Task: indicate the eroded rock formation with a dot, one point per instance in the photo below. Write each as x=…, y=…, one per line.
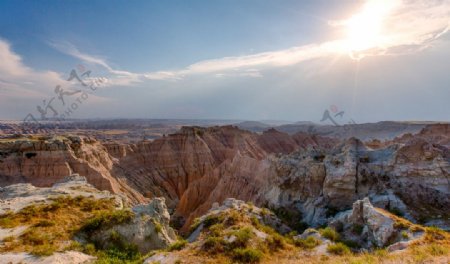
x=196, y=167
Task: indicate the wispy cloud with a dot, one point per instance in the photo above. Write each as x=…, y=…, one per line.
x=18, y=80
x=409, y=26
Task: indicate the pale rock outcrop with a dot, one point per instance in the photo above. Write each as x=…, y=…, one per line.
x=18, y=196
x=264, y=216
x=149, y=228
x=369, y=226
x=72, y=257
x=379, y=226
x=42, y=161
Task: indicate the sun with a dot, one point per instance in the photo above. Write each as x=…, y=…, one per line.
x=365, y=29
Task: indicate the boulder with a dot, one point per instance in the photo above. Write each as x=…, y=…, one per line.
x=148, y=229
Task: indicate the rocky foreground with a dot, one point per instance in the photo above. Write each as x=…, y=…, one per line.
x=72, y=222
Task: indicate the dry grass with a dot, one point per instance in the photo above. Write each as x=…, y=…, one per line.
x=433, y=247
x=51, y=226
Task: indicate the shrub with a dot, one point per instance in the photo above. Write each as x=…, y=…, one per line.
x=211, y=220
x=32, y=237
x=338, y=249
x=107, y=219
x=74, y=245
x=405, y=235
x=233, y=217
x=265, y=211
x=44, y=223
x=216, y=230
x=89, y=249
x=158, y=226
x=276, y=241
x=43, y=250
x=194, y=225
x=329, y=233
x=307, y=243
x=178, y=245
x=247, y=255
x=214, y=244
x=243, y=235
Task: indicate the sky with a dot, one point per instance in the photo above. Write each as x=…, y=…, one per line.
x=226, y=59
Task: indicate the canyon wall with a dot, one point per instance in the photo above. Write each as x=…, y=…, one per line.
x=196, y=167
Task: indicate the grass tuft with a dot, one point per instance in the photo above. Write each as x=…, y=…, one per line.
x=329, y=233
x=338, y=249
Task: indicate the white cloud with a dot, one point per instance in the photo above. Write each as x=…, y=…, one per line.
x=409, y=26
x=19, y=80
x=22, y=88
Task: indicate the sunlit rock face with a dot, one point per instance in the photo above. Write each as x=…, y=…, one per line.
x=43, y=161
x=196, y=167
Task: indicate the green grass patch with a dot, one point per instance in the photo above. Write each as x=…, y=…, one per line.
x=307, y=243
x=338, y=249
x=107, y=219
x=329, y=233
x=247, y=255
x=178, y=245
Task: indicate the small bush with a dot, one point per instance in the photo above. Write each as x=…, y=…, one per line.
x=247, y=255
x=233, y=217
x=216, y=230
x=338, y=249
x=89, y=249
x=405, y=235
x=214, y=245
x=307, y=243
x=265, y=211
x=44, y=223
x=212, y=219
x=329, y=233
x=157, y=225
x=178, y=245
x=74, y=245
x=43, y=250
x=34, y=238
x=276, y=242
x=107, y=219
x=243, y=235
x=194, y=225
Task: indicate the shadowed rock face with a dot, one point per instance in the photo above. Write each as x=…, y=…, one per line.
x=411, y=176
x=196, y=167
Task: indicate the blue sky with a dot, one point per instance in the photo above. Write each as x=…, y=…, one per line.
x=233, y=59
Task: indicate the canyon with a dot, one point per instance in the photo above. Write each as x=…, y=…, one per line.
x=312, y=176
